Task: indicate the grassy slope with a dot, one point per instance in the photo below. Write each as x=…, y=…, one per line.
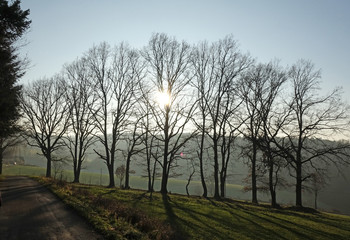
x=114, y=211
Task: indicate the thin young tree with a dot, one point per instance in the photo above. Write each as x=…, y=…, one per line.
x=45, y=116
x=134, y=145
x=148, y=132
x=318, y=182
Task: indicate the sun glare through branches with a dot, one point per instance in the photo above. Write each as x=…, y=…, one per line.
x=163, y=98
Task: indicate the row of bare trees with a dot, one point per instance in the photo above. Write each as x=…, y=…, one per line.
x=211, y=94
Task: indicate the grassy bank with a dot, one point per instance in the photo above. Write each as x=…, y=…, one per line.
x=131, y=214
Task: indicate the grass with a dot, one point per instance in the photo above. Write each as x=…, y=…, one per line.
x=138, y=182
x=23, y=170
x=131, y=214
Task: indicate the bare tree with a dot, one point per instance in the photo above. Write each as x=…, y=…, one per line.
x=319, y=182
x=313, y=121
x=265, y=82
x=216, y=69
x=202, y=71
x=249, y=91
x=168, y=67
x=116, y=75
x=148, y=131
x=80, y=99
x=191, y=174
x=45, y=116
x=134, y=146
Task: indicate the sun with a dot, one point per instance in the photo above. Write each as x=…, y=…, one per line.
x=163, y=98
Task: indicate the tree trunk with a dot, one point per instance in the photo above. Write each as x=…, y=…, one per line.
x=1, y=157
x=148, y=156
x=111, y=175
x=153, y=178
x=75, y=160
x=254, y=188
x=216, y=170
x=298, y=189
x=127, y=169
x=188, y=184
x=204, y=185
x=150, y=189
x=78, y=168
x=164, y=183
x=271, y=186
x=316, y=193
x=75, y=170
x=48, y=166
x=2, y=148
x=222, y=185
x=76, y=175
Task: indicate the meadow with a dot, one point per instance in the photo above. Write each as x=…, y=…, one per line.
x=174, y=185
x=136, y=182
x=136, y=214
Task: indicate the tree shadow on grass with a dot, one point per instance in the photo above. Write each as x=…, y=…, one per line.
x=291, y=226
x=173, y=220
x=207, y=229
x=316, y=233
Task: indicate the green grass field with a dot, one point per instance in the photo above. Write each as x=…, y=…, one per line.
x=136, y=182
x=131, y=214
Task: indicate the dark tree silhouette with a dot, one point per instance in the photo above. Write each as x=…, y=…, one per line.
x=13, y=25
x=169, y=61
x=311, y=121
x=133, y=139
x=116, y=75
x=270, y=80
x=45, y=116
x=80, y=99
x=317, y=182
x=148, y=132
x=216, y=70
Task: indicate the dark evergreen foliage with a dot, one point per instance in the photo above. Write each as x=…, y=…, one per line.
x=13, y=24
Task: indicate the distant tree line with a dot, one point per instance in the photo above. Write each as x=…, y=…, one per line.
x=171, y=101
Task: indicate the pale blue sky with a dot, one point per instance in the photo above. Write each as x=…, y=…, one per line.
x=318, y=30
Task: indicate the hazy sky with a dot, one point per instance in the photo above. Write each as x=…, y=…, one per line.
x=317, y=30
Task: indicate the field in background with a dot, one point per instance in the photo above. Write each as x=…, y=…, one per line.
x=136, y=182
x=174, y=186
x=95, y=173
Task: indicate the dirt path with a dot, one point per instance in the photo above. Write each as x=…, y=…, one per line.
x=30, y=211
